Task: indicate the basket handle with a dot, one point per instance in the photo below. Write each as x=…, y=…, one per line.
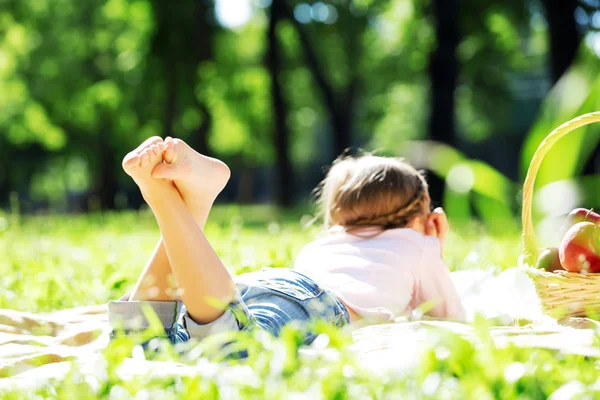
x=530, y=252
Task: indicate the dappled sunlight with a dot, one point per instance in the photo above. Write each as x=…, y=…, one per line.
x=550, y=230
x=233, y=13
x=277, y=90
x=460, y=178
x=558, y=198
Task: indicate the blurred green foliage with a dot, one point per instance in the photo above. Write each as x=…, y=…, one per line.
x=575, y=94
x=81, y=83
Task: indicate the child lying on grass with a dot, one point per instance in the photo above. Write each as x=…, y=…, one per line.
x=381, y=258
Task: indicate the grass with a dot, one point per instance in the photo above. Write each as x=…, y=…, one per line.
x=55, y=262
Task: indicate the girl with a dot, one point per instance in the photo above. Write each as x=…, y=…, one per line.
x=381, y=259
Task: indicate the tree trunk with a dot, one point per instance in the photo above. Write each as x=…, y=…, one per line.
x=201, y=141
x=443, y=73
x=339, y=115
x=564, y=42
x=342, y=121
x=274, y=65
x=164, y=47
x=247, y=175
x=169, y=66
x=204, y=53
x=107, y=188
x=563, y=36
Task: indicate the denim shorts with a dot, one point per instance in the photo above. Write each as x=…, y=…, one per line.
x=268, y=299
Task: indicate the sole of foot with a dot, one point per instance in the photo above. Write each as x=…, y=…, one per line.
x=198, y=178
x=140, y=163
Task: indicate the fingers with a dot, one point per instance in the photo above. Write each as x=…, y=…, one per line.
x=441, y=222
x=439, y=219
x=430, y=226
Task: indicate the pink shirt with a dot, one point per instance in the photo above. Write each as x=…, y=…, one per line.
x=384, y=276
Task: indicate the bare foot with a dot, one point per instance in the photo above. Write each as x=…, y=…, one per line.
x=139, y=164
x=198, y=178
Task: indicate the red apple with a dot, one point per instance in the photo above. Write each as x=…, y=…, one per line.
x=580, y=248
x=549, y=260
x=582, y=215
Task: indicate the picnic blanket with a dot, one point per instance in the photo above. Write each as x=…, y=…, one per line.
x=35, y=348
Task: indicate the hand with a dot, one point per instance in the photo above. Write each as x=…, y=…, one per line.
x=437, y=226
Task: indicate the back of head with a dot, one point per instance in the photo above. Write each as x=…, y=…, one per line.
x=372, y=191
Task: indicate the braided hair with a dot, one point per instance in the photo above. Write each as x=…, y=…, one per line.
x=372, y=191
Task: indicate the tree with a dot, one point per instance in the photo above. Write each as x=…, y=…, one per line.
x=443, y=72
x=284, y=168
x=74, y=78
x=205, y=31
x=339, y=94
x=563, y=35
x=287, y=91
x=181, y=44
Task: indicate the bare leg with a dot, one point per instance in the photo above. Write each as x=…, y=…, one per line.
x=199, y=180
x=155, y=282
x=203, y=281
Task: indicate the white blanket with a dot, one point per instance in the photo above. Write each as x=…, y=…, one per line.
x=511, y=294
x=36, y=348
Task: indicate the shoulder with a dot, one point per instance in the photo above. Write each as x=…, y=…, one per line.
x=324, y=240
x=336, y=242
x=334, y=235
x=432, y=261
x=413, y=237
x=431, y=245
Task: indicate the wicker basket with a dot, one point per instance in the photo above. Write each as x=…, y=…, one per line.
x=562, y=294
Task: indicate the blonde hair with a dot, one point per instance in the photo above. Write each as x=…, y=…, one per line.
x=371, y=191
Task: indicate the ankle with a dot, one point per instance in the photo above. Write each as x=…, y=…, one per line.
x=158, y=196
x=200, y=208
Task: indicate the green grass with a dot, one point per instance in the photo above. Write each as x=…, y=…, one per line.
x=55, y=262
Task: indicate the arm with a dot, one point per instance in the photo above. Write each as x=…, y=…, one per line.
x=435, y=285
x=437, y=226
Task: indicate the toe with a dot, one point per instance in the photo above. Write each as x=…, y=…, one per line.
x=155, y=149
x=145, y=158
x=131, y=160
x=147, y=143
x=169, y=153
x=171, y=171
